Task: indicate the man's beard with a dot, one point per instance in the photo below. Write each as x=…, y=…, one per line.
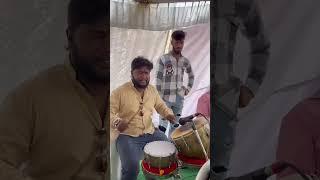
x=137, y=85
x=86, y=69
x=177, y=51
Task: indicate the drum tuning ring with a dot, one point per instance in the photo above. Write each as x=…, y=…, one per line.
x=180, y=164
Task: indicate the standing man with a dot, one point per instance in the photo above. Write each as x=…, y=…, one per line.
x=131, y=109
x=169, y=77
x=53, y=125
x=229, y=92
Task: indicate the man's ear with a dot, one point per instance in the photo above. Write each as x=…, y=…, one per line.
x=69, y=38
x=69, y=34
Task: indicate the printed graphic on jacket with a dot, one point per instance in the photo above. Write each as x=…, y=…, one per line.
x=169, y=70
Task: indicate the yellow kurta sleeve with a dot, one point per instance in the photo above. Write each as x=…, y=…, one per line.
x=114, y=107
x=16, y=129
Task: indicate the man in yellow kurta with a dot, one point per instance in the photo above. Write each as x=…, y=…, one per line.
x=131, y=109
x=52, y=126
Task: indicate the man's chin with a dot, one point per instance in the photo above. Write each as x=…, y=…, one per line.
x=142, y=86
x=101, y=73
x=98, y=76
x=102, y=77
x=177, y=51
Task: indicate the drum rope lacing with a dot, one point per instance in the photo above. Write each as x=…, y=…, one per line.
x=185, y=142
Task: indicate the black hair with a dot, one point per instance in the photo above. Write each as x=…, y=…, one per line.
x=178, y=35
x=86, y=12
x=139, y=62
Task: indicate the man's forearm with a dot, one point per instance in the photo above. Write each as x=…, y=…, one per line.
x=190, y=83
x=259, y=61
x=190, y=76
x=254, y=30
x=114, y=121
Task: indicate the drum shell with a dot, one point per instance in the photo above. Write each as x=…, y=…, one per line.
x=160, y=162
x=188, y=145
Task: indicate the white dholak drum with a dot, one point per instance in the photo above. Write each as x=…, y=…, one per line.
x=160, y=159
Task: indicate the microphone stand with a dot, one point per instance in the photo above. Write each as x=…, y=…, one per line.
x=199, y=140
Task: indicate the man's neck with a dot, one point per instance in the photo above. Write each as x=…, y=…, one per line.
x=176, y=55
x=95, y=88
x=140, y=90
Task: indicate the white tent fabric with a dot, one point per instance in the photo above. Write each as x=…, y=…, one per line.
x=158, y=17
x=129, y=43
x=126, y=44
x=294, y=72
x=32, y=38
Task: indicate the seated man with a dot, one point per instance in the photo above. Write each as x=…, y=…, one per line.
x=299, y=139
x=131, y=110
x=203, y=106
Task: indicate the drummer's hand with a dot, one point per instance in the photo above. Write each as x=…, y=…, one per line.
x=245, y=96
x=171, y=118
x=186, y=91
x=122, y=126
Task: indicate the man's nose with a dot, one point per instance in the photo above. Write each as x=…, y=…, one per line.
x=144, y=76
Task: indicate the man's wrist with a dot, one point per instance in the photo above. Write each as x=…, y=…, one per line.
x=116, y=123
x=252, y=85
x=189, y=89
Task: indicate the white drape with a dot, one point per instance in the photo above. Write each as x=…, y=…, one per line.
x=294, y=66
x=32, y=38
x=158, y=17
x=126, y=44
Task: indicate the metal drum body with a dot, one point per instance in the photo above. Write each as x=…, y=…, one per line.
x=160, y=154
x=160, y=160
x=186, y=140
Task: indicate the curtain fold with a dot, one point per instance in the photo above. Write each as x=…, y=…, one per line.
x=158, y=17
x=293, y=74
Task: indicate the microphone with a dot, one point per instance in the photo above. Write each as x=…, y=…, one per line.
x=262, y=173
x=176, y=125
x=163, y=129
x=183, y=121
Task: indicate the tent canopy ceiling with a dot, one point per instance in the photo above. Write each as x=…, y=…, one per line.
x=130, y=14
x=167, y=1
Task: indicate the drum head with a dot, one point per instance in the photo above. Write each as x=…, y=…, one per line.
x=187, y=128
x=160, y=149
